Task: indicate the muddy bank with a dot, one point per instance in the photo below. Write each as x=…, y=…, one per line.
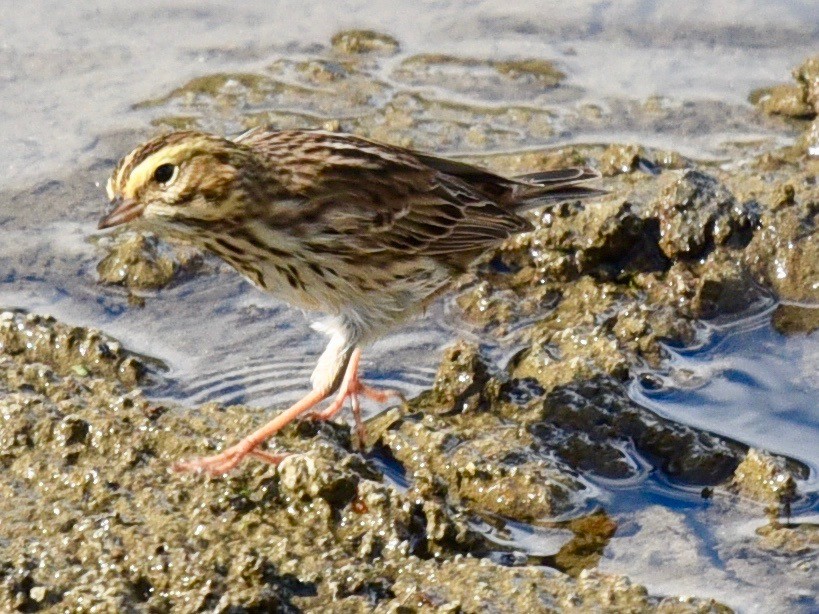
x=94, y=521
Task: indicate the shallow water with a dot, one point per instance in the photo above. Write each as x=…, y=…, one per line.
x=746, y=381
x=71, y=76
x=73, y=71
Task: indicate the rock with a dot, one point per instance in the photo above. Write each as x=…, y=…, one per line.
x=364, y=41
x=788, y=100
x=807, y=77
x=488, y=308
x=599, y=411
x=488, y=467
x=790, y=319
x=30, y=338
x=461, y=384
x=620, y=159
x=765, y=478
x=785, y=252
x=543, y=71
x=603, y=239
x=85, y=470
x=724, y=287
x=470, y=585
x=140, y=262
x=310, y=477
x=799, y=100
x=596, y=327
x=696, y=213
x=324, y=72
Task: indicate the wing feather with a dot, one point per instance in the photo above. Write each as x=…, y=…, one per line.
x=376, y=198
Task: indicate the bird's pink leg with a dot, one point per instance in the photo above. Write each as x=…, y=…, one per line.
x=227, y=460
x=351, y=387
x=355, y=387
x=348, y=390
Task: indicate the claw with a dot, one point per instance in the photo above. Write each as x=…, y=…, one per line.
x=224, y=462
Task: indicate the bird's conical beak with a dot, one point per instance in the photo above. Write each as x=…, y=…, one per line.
x=124, y=211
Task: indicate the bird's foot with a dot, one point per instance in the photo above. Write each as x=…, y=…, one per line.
x=222, y=463
x=351, y=387
x=381, y=395
x=352, y=392
x=357, y=388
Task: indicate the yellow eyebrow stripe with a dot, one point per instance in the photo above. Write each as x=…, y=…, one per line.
x=142, y=174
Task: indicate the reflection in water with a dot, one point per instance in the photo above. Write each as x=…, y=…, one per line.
x=748, y=382
x=264, y=382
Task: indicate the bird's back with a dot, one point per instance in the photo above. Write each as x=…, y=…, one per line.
x=375, y=230
x=368, y=197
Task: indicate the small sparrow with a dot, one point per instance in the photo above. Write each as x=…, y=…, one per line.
x=366, y=233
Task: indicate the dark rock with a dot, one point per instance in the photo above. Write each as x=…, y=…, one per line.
x=696, y=213
x=600, y=411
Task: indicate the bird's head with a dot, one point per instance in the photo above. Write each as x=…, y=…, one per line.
x=178, y=181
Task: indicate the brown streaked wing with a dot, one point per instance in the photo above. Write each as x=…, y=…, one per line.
x=381, y=198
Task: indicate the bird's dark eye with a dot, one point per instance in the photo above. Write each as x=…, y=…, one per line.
x=164, y=173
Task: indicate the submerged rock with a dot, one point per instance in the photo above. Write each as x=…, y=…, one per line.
x=592, y=533
x=790, y=539
x=586, y=423
x=364, y=41
x=485, y=78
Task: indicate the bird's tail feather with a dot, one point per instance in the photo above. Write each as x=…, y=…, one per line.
x=536, y=189
x=559, y=176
